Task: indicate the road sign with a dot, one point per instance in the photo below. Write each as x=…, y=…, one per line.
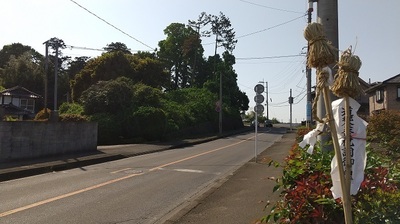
x=259, y=109
x=259, y=88
x=259, y=98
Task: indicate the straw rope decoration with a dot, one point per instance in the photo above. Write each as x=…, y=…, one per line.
x=322, y=81
x=346, y=80
x=321, y=53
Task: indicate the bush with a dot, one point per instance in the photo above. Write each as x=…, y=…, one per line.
x=43, y=115
x=383, y=128
x=306, y=196
x=72, y=118
x=109, y=128
x=71, y=108
x=151, y=122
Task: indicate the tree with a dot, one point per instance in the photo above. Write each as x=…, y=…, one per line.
x=149, y=70
x=139, y=68
x=23, y=71
x=117, y=46
x=178, y=52
x=106, y=67
x=17, y=50
x=76, y=65
x=224, y=34
x=111, y=96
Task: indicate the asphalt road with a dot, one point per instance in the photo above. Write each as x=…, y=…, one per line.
x=143, y=189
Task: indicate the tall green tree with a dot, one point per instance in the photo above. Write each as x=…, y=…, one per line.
x=178, y=52
x=17, y=49
x=117, y=46
x=106, y=67
x=139, y=68
x=23, y=71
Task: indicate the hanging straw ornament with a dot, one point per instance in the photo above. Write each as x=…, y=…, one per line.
x=346, y=81
x=320, y=53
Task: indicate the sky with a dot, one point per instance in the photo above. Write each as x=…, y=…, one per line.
x=271, y=47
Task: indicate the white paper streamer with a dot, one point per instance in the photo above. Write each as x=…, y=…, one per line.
x=358, y=142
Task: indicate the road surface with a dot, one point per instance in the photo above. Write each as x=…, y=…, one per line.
x=143, y=189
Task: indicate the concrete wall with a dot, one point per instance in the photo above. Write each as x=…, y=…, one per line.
x=37, y=139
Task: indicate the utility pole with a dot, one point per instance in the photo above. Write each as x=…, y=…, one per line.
x=54, y=114
x=46, y=72
x=290, y=102
x=327, y=15
x=308, y=73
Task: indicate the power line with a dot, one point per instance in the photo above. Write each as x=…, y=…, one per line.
x=111, y=24
x=270, y=57
x=268, y=7
x=269, y=28
x=266, y=29
x=84, y=48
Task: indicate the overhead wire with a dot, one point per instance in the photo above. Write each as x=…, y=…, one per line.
x=263, y=30
x=268, y=7
x=108, y=23
x=269, y=28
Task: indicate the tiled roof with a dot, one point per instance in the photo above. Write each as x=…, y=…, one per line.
x=12, y=109
x=19, y=91
x=393, y=80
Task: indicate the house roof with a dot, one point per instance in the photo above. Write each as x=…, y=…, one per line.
x=19, y=91
x=393, y=80
x=12, y=109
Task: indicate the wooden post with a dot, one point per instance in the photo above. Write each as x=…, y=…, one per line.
x=345, y=191
x=348, y=144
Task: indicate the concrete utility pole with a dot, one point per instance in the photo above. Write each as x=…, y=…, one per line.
x=327, y=15
x=290, y=103
x=309, y=117
x=46, y=70
x=55, y=80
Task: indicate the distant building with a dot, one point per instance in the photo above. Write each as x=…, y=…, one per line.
x=384, y=95
x=362, y=99
x=18, y=103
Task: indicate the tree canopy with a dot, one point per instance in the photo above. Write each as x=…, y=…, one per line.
x=121, y=90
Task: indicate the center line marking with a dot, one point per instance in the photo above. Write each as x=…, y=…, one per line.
x=36, y=204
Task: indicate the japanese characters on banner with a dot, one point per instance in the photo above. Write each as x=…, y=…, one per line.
x=357, y=150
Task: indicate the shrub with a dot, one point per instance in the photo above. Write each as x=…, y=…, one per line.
x=109, y=128
x=306, y=196
x=383, y=128
x=72, y=118
x=71, y=108
x=43, y=114
x=151, y=121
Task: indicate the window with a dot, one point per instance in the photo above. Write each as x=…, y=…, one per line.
x=398, y=92
x=27, y=104
x=379, y=95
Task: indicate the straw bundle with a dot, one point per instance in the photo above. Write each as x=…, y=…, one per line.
x=320, y=53
x=346, y=80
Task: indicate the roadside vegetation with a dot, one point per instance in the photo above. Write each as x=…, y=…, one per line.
x=141, y=96
x=305, y=185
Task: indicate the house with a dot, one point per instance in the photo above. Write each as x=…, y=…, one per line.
x=384, y=95
x=18, y=103
x=363, y=99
